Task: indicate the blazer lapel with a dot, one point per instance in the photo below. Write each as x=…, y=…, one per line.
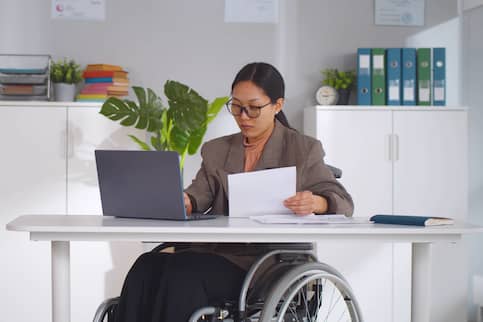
x=236, y=155
x=234, y=161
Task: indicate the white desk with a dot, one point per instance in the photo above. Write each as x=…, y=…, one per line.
x=60, y=230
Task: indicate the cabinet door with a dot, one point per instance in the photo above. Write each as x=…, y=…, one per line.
x=358, y=143
x=98, y=268
x=430, y=170
x=33, y=181
x=430, y=178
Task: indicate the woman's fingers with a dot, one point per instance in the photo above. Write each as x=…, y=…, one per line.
x=187, y=204
x=302, y=203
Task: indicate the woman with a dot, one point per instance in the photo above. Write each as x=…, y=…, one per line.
x=169, y=287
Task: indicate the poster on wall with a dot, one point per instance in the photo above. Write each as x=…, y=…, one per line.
x=251, y=11
x=79, y=9
x=399, y=12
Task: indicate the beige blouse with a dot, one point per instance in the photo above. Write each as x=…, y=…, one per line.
x=254, y=150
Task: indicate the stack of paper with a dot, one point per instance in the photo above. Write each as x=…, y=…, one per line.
x=308, y=219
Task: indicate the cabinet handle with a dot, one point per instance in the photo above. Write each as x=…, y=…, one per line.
x=70, y=142
x=389, y=147
x=63, y=144
x=396, y=147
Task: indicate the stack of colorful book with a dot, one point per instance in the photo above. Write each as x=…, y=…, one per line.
x=103, y=81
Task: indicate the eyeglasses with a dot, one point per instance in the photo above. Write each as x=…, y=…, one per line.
x=251, y=111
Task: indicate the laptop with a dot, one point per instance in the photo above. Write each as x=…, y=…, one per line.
x=142, y=184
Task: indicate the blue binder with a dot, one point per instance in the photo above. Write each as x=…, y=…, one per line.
x=409, y=76
x=364, y=76
x=393, y=80
x=439, y=76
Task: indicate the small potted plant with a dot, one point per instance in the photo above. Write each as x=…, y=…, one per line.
x=342, y=81
x=65, y=74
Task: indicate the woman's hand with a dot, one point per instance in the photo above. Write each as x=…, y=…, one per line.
x=187, y=204
x=305, y=203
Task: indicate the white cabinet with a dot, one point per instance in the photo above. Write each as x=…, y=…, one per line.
x=32, y=181
x=47, y=167
x=404, y=160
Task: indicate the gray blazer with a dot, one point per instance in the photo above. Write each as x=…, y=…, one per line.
x=286, y=147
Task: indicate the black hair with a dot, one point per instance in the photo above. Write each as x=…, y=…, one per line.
x=269, y=79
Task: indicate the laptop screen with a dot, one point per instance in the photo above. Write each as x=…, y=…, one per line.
x=140, y=184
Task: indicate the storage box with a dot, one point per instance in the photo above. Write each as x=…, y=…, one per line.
x=24, y=77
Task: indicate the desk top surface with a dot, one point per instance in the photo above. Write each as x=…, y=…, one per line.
x=222, y=229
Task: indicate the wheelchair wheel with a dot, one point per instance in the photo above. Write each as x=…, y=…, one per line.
x=311, y=292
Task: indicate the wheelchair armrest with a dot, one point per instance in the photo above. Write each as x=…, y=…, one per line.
x=335, y=171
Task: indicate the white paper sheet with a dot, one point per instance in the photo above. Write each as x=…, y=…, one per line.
x=309, y=219
x=261, y=192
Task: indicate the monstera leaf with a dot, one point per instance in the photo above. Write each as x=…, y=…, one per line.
x=188, y=111
x=180, y=127
x=145, y=116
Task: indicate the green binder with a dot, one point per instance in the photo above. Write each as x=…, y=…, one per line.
x=424, y=76
x=378, y=76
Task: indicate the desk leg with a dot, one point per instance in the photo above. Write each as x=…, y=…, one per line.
x=60, y=281
x=421, y=282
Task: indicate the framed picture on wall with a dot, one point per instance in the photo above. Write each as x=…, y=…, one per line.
x=399, y=12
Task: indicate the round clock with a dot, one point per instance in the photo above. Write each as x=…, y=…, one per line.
x=327, y=95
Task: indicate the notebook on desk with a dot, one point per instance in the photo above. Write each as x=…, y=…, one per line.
x=411, y=220
x=142, y=184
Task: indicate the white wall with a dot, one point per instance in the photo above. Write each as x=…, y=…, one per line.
x=473, y=98
x=187, y=40
x=446, y=34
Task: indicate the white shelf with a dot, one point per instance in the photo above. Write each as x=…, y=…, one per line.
x=386, y=108
x=49, y=104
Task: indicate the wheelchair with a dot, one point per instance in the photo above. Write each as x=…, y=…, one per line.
x=286, y=283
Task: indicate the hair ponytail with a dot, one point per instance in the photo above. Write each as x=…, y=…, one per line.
x=280, y=116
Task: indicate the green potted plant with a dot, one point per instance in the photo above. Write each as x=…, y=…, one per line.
x=178, y=127
x=342, y=81
x=65, y=74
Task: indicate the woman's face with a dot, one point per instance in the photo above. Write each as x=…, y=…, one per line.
x=249, y=95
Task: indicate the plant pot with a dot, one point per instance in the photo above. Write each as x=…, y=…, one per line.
x=344, y=95
x=64, y=92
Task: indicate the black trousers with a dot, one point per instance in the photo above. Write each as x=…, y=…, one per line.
x=163, y=287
